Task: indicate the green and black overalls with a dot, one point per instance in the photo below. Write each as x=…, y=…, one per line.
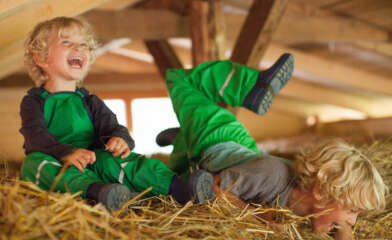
x=54, y=125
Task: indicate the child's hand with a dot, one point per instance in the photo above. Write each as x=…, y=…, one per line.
x=79, y=158
x=344, y=232
x=117, y=146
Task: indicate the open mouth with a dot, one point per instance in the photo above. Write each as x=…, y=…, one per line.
x=75, y=62
x=333, y=228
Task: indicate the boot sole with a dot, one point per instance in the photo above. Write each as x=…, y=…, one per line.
x=203, y=186
x=279, y=80
x=117, y=196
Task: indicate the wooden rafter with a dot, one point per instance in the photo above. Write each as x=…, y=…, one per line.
x=163, y=24
x=8, y=8
x=16, y=26
x=11, y=59
x=336, y=73
x=256, y=33
x=138, y=24
x=116, y=5
x=122, y=64
x=297, y=25
x=369, y=105
x=102, y=81
x=306, y=23
x=319, y=111
x=208, y=31
x=164, y=55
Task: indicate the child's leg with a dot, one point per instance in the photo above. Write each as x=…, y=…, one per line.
x=136, y=171
x=194, y=95
x=42, y=170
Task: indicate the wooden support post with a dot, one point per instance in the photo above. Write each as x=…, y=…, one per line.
x=207, y=31
x=164, y=55
x=262, y=20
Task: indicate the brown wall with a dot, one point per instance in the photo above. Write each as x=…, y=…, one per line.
x=11, y=140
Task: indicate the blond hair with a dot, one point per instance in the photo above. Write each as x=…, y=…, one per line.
x=343, y=173
x=37, y=43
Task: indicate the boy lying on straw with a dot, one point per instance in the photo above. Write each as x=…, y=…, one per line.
x=335, y=178
x=66, y=127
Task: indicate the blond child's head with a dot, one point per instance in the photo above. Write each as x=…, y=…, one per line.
x=38, y=42
x=343, y=174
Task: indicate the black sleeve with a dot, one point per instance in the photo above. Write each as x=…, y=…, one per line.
x=35, y=132
x=105, y=122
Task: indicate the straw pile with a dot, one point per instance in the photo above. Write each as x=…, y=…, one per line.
x=30, y=213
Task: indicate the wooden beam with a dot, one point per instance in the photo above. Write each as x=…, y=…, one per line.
x=256, y=33
x=164, y=55
x=125, y=82
x=11, y=59
x=208, y=29
x=116, y=5
x=321, y=70
x=16, y=26
x=355, y=131
x=112, y=44
x=138, y=24
x=101, y=81
x=309, y=25
x=8, y=8
x=292, y=145
x=306, y=23
x=116, y=63
x=377, y=128
x=162, y=24
x=312, y=111
x=369, y=105
x=378, y=47
x=309, y=21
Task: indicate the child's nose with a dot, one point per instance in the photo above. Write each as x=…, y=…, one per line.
x=77, y=46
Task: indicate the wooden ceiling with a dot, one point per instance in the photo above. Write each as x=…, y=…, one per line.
x=342, y=48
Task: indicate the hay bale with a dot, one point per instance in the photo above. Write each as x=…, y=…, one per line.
x=30, y=213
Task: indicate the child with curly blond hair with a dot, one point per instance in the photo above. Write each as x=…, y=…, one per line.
x=333, y=182
x=65, y=126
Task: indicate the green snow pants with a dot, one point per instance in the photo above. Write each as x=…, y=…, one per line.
x=195, y=94
x=136, y=172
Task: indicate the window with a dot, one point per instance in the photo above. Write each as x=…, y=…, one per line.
x=149, y=117
x=118, y=107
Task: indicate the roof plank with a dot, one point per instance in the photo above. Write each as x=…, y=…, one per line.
x=115, y=5
x=164, y=55
x=256, y=33
x=8, y=7
x=207, y=31
x=16, y=26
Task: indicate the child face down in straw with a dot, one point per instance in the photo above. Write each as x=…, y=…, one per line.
x=333, y=183
x=66, y=127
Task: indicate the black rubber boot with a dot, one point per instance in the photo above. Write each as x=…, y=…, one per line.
x=113, y=196
x=269, y=83
x=200, y=186
x=167, y=136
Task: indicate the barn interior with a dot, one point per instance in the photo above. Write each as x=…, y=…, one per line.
x=341, y=85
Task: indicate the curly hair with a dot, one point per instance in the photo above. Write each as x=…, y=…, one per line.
x=343, y=174
x=37, y=43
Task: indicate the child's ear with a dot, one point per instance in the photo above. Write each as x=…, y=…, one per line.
x=317, y=193
x=39, y=62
